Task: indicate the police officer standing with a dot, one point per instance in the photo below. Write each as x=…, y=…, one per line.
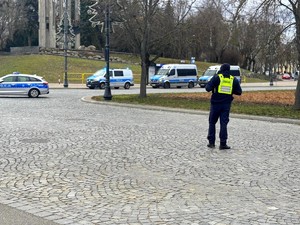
x=223, y=86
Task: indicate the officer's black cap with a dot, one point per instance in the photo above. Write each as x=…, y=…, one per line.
x=225, y=67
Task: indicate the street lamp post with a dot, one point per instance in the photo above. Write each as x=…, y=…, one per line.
x=107, y=91
x=94, y=11
x=271, y=73
x=271, y=79
x=66, y=43
x=274, y=56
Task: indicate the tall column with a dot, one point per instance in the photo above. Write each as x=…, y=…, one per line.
x=77, y=23
x=47, y=30
x=49, y=10
x=42, y=23
x=52, y=25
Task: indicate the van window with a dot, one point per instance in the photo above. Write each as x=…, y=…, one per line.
x=162, y=71
x=186, y=72
x=110, y=73
x=210, y=72
x=172, y=72
x=235, y=73
x=119, y=73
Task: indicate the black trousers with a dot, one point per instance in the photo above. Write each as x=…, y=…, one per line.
x=218, y=111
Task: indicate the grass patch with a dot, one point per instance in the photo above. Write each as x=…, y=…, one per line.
x=260, y=103
x=52, y=67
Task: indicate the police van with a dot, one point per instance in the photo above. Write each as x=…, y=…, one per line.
x=213, y=70
x=175, y=75
x=118, y=78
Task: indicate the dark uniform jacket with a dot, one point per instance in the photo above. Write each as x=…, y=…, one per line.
x=218, y=98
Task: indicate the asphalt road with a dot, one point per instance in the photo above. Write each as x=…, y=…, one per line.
x=66, y=161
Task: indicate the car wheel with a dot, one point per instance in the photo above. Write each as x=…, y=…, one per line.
x=127, y=85
x=102, y=85
x=33, y=93
x=190, y=85
x=167, y=85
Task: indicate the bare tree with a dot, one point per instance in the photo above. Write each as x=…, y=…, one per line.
x=230, y=11
x=294, y=7
x=140, y=18
x=4, y=20
x=11, y=19
x=291, y=7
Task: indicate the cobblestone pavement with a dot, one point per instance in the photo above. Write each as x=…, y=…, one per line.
x=73, y=162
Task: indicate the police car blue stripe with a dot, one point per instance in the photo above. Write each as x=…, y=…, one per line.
x=24, y=85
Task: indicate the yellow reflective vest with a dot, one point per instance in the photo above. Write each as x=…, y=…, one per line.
x=226, y=84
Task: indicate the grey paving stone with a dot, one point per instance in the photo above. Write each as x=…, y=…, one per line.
x=77, y=163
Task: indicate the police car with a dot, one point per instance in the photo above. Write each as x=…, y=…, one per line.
x=23, y=84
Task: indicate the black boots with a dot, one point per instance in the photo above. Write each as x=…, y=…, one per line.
x=210, y=145
x=224, y=146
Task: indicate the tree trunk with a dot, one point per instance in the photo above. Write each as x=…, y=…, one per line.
x=143, y=92
x=29, y=42
x=145, y=52
x=145, y=65
x=297, y=97
x=297, y=94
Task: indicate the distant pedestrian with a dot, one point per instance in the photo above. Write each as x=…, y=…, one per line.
x=223, y=86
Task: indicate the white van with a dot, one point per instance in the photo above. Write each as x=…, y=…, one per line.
x=175, y=75
x=118, y=78
x=296, y=75
x=213, y=70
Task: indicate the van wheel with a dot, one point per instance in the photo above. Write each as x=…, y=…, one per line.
x=127, y=85
x=102, y=85
x=167, y=85
x=191, y=85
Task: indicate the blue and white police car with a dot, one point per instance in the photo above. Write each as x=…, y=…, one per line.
x=23, y=84
x=118, y=78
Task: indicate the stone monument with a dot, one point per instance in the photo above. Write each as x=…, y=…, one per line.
x=51, y=23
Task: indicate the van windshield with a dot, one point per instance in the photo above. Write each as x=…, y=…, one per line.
x=102, y=73
x=163, y=71
x=210, y=72
x=235, y=73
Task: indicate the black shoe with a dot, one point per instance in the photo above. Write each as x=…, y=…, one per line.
x=211, y=145
x=223, y=147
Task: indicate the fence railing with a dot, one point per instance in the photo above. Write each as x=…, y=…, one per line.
x=75, y=77
x=81, y=77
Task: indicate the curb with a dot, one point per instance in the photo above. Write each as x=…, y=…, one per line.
x=89, y=99
x=261, y=84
